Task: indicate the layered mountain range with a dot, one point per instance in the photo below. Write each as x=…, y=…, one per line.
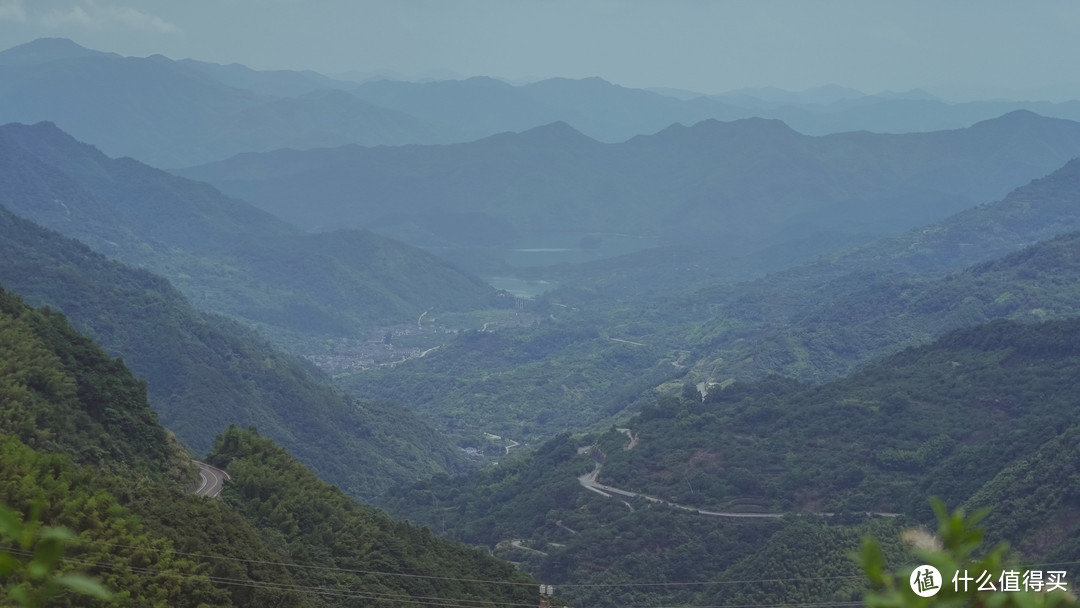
x=808, y=334
x=224, y=254
x=732, y=188
x=178, y=113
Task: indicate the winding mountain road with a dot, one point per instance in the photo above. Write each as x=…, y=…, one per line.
x=588, y=481
x=213, y=479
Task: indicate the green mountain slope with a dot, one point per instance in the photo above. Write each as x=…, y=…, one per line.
x=981, y=416
x=63, y=403
x=205, y=372
x=596, y=355
x=855, y=306
x=596, y=364
x=111, y=477
x=63, y=394
x=225, y=255
x=357, y=548
x=522, y=384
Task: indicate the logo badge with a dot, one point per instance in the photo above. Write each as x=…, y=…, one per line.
x=925, y=581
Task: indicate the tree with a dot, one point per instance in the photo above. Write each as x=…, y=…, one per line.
x=954, y=553
x=28, y=568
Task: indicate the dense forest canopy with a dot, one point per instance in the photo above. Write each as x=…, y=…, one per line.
x=81, y=449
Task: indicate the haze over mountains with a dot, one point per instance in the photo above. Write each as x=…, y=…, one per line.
x=190, y=112
x=731, y=188
x=814, y=322
x=785, y=334
x=224, y=254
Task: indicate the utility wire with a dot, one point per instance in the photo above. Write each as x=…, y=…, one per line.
x=439, y=601
x=405, y=599
x=512, y=583
x=474, y=580
x=328, y=568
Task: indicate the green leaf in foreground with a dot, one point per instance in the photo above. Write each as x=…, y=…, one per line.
x=35, y=582
x=954, y=552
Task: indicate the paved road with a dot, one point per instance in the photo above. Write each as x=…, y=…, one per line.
x=212, y=480
x=588, y=481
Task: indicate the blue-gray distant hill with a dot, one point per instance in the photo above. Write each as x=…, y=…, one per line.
x=224, y=254
x=481, y=106
x=733, y=188
x=170, y=113
x=179, y=113
x=611, y=113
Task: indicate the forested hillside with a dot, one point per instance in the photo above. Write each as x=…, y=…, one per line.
x=205, y=372
x=966, y=418
x=63, y=394
x=77, y=438
x=593, y=357
x=225, y=255
x=351, y=546
x=589, y=365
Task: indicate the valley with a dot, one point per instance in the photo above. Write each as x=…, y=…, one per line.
x=391, y=345
x=279, y=337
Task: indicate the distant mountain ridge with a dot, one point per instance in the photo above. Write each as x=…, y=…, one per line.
x=170, y=113
x=281, y=83
x=190, y=112
x=44, y=50
x=732, y=187
x=226, y=255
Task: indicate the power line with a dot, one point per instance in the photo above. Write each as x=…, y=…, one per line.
x=474, y=580
x=403, y=598
x=512, y=583
x=328, y=568
x=406, y=599
x=441, y=601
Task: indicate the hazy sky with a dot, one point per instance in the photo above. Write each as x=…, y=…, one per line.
x=702, y=45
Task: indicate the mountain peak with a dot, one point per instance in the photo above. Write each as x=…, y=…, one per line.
x=1019, y=120
x=556, y=131
x=591, y=83
x=43, y=50
x=44, y=131
x=41, y=131
x=753, y=126
x=710, y=129
x=1016, y=115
